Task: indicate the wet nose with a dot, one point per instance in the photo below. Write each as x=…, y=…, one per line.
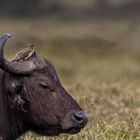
x=80, y=118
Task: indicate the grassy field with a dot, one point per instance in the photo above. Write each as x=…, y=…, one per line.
x=97, y=68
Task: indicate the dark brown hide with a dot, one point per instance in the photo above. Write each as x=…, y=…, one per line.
x=11, y=121
x=37, y=102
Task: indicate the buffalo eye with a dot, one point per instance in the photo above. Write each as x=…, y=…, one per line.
x=46, y=86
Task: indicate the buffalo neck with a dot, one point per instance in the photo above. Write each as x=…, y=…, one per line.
x=11, y=122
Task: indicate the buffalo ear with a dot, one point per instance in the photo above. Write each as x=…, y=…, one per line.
x=13, y=87
x=15, y=95
x=18, y=103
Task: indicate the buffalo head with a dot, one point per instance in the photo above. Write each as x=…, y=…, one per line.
x=37, y=98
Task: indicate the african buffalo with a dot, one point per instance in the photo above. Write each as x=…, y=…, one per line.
x=33, y=98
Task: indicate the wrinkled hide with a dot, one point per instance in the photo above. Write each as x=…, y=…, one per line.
x=11, y=121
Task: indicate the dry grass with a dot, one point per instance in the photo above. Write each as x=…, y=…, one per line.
x=98, y=71
x=106, y=86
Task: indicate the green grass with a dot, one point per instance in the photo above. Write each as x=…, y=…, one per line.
x=96, y=67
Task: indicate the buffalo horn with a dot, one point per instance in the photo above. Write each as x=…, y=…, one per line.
x=24, y=67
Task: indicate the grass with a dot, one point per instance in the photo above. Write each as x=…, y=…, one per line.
x=99, y=71
x=106, y=86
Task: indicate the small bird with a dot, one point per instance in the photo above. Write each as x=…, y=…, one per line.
x=25, y=53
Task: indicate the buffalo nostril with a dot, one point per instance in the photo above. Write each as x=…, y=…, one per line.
x=80, y=117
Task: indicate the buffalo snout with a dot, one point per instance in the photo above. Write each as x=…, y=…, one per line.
x=80, y=118
x=73, y=122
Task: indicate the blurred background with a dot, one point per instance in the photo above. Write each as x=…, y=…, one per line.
x=95, y=47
